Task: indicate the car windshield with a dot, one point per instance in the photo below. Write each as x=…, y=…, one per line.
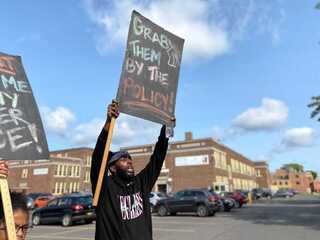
x=82, y=200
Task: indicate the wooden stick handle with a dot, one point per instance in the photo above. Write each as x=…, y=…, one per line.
x=7, y=208
x=104, y=163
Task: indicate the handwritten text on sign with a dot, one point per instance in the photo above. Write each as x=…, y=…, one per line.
x=21, y=130
x=150, y=73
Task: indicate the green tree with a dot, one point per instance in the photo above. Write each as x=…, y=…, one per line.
x=315, y=103
x=314, y=174
x=293, y=167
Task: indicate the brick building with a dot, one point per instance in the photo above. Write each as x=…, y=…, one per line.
x=263, y=176
x=189, y=163
x=199, y=163
x=288, y=178
x=316, y=185
x=66, y=171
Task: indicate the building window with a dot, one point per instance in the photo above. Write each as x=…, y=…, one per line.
x=88, y=161
x=70, y=187
x=64, y=187
x=297, y=183
x=78, y=171
x=24, y=173
x=285, y=183
x=72, y=171
x=60, y=170
x=69, y=171
x=87, y=177
x=74, y=186
x=61, y=188
x=64, y=171
x=220, y=159
x=258, y=173
x=56, y=186
x=280, y=183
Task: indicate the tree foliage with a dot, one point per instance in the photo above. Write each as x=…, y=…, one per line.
x=315, y=103
x=314, y=174
x=293, y=167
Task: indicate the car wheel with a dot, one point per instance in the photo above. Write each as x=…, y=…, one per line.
x=202, y=211
x=66, y=220
x=162, y=211
x=36, y=220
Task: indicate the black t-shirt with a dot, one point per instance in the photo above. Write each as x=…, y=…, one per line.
x=123, y=211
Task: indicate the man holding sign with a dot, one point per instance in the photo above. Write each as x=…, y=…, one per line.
x=147, y=89
x=123, y=211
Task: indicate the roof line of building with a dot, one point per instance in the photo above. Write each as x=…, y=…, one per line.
x=71, y=149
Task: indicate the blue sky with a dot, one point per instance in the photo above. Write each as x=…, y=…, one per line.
x=248, y=71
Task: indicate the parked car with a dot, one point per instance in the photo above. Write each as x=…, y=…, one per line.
x=154, y=197
x=225, y=203
x=39, y=199
x=34, y=196
x=190, y=200
x=283, y=193
x=42, y=201
x=65, y=210
x=258, y=193
x=239, y=198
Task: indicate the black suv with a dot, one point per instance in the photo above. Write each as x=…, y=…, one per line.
x=66, y=210
x=190, y=200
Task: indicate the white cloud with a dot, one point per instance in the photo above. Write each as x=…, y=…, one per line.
x=128, y=131
x=87, y=133
x=209, y=27
x=134, y=131
x=187, y=19
x=57, y=120
x=299, y=137
x=295, y=138
x=271, y=115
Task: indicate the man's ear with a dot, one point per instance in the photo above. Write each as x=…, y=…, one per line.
x=113, y=169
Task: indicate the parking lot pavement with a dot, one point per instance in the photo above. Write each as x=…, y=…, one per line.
x=293, y=219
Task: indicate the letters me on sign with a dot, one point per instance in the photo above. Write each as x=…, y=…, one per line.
x=21, y=131
x=150, y=72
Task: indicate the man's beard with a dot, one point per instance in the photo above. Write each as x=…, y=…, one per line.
x=125, y=175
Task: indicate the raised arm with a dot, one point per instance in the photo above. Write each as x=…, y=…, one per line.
x=149, y=175
x=98, y=151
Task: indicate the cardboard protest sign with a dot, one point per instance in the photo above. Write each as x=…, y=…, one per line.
x=21, y=132
x=150, y=72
